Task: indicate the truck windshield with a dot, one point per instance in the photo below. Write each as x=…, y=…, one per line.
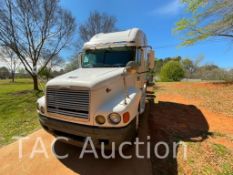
x=117, y=57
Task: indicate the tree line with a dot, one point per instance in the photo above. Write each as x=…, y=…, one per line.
x=178, y=68
x=166, y=69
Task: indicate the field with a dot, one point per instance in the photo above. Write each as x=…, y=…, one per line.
x=200, y=115
x=17, y=109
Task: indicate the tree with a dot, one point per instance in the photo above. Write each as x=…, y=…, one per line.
x=160, y=62
x=36, y=31
x=57, y=72
x=22, y=73
x=73, y=64
x=209, y=18
x=4, y=73
x=51, y=66
x=158, y=65
x=211, y=72
x=172, y=71
x=97, y=23
x=9, y=57
x=189, y=67
x=45, y=73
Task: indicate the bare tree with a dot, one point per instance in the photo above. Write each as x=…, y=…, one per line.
x=10, y=59
x=35, y=30
x=96, y=23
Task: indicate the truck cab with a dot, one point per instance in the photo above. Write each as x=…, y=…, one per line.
x=105, y=96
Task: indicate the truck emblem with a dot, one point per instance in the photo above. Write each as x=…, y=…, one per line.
x=108, y=90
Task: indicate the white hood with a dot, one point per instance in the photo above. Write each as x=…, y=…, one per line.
x=85, y=77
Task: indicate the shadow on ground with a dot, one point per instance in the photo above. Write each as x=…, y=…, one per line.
x=171, y=123
x=163, y=121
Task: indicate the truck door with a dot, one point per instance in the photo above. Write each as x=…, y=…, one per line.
x=141, y=61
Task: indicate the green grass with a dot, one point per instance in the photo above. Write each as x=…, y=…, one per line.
x=206, y=158
x=219, y=149
x=18, y=115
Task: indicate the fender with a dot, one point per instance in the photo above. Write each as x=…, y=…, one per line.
x=118, y=105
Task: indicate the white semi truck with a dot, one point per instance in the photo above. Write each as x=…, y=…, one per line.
x=105, y=96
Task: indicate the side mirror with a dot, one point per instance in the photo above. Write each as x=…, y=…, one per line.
x=80, y=59
x=151, y=59
x=131, y=67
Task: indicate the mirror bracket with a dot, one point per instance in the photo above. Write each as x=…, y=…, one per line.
x=131, y=67
x=80, y=59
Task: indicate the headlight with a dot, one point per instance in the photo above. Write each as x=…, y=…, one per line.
x=114, y=118
x=100, y=119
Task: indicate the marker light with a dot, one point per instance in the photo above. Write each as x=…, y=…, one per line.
x=126, y=117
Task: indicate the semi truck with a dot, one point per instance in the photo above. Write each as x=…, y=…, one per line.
x=104, y=97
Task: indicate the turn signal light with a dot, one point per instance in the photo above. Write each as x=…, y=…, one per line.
x=126, y=117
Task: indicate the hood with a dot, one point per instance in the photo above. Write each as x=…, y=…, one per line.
x=85, y=77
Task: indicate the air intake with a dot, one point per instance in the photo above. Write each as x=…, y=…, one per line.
x=68, y=102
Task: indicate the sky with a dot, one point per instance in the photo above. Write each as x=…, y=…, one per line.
x=157, y=19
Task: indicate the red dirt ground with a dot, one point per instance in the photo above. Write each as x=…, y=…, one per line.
x=179, y=115
x=217, y=122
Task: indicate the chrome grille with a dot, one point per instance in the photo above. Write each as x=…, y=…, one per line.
x=68, y=102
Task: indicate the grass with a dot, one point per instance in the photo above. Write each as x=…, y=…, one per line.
x=206, y=158
x=18, y=115
x=220, y=150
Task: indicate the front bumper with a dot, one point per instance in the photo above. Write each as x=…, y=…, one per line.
x=77, y=133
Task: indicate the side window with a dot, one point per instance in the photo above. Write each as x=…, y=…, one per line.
x=139, y=53
x=146, y=60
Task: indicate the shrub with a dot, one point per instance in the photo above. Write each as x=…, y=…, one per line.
x=172, y=71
